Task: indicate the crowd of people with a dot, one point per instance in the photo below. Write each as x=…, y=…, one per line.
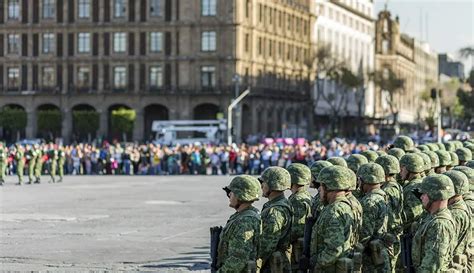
x=404, y=208
x=150, y=159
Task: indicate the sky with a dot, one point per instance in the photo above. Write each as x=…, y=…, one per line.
x=447, y=25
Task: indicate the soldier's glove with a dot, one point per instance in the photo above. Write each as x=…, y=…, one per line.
x=304, y=263
x=417, y=193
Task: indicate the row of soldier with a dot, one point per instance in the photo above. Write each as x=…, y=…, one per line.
x=34, y=160
x=407, y=209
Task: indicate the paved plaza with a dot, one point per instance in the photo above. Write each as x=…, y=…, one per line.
x=132, y=223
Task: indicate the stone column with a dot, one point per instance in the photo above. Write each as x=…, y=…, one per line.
x=66, y=126
x=30, y=130
x=138, y=126
x=103, y=123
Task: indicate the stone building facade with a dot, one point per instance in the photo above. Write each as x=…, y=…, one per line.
x=166, y=59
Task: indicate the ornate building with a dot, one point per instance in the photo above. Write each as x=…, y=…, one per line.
x=166, y=59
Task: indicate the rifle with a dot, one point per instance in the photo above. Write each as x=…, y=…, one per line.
x=308, y=229
x=215, y=236
x=406, y=243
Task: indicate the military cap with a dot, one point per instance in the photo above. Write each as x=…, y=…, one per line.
x=396, y=152
x=370, y=155
x=337, y=160
x=317, y=166
x=355, y=161
x=454, y=159
x=412, y=162
x=444, y=158
x=277, y=178
x=434, y=159
x=426, y=161
x=457, y=144
x=371, y=173
x=437, y=187
x=245, y=187
x=470, y=164
x=405, y=143
x=423, y=148
x=440, y=146
x=460, y=181
x=450, y=146
x=300, y=174
x=469, y=146
x=433, y=147
x=381, y=152
x=464, y=154
x=337, y=178
x=389, y=164
x=469, y=173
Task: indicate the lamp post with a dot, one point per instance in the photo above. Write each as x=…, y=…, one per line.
x=229, y=114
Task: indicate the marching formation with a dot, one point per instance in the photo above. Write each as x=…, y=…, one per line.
x=403, y=209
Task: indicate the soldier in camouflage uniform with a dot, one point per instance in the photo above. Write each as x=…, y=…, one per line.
x=461, y=216
x=370, y=155
x=61, y=160
x=375, y=218
x=354, y=162
x=39, y=165
x=53, y=157
x=338, y=161
x=464, y=155
x=277, y=215
x=20, y=163
x=405, y=143
x=31, y=156
x=394, y=192
x=434, y=161
x=3, y=163
x=432, y=248
x=333, y=237
x=316, y=167
x=301, y=202
x=444, y=161
x=240, y=238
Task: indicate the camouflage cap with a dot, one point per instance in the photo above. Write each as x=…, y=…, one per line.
x=454, y=159
x=440, y=146
x=437, y=187
x=317, y=166
x=300, y=174
x=423, y=148
x=434, y=159
x=457, y=144
x=460, y=181
x=371, y=173
x=449, y=146
x=381, y=152
x=337, y=178
x=245, y=187
x=469, y=173
x=426, y=161
x=412, y=162
x=355, y=161
x=396, y=152
x=337, y=160
x=370, y=155
x=470, y=164
x=464, y=154
x=277, y=178
x=405, y=143
x=389, y=164
x=444, y=158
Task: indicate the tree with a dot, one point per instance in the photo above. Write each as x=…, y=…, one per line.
x=85, y=123
x=13, y=119
x=389, y=82
x=49, y=123
x=122, y=121
x=468, y=52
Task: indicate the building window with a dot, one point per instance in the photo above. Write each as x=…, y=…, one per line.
x=208, y=41
x=13, y=9
x=48, y=8
x=260, y=46
x=84, y=9
x=84, y=42
x=385, y=46
x=120, y=42
x=83, y=77
x=48, y=76
x=13, y=43
x=48, y=42
x=120, y=77
x=156, y=76
x=156, y=41
x=208, y=7
x=155, y=8
x=120, y=8
x=13, y=78
x=208, y=76
x=247, y=42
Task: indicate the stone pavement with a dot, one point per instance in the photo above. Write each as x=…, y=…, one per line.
x=145, y=223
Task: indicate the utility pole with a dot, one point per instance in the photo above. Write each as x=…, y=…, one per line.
x=238, y=123
x=229, y=114
x=438, y=104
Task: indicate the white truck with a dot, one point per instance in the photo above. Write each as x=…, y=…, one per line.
x=172, y=132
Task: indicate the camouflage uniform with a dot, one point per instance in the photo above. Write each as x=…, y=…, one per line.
x=333, y=236
x=53, y=156
x=61, y=160
x=32, y=155
x=394, y=193
x=39, y=166
x=240, y=238
x=20, y=164
x=432, y=250
x=375, y=218
x=277, y=217
x=412, y=206
x=316, y=167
